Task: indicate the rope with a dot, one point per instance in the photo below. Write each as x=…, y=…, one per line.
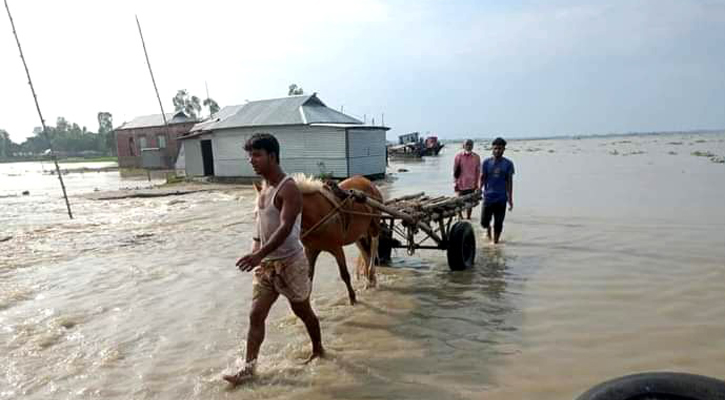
x=323, y=220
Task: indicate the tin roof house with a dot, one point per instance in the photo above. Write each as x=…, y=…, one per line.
x=314, y=139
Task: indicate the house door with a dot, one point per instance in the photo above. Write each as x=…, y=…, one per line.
x=207, y=157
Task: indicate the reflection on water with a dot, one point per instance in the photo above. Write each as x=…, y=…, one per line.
x=610, y=264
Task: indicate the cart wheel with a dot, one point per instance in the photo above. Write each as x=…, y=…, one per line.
x=461, y=246
x=385, y=247
x=658, y=385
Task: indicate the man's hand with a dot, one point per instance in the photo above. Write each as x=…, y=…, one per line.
x=248, y=262
x=511, y=205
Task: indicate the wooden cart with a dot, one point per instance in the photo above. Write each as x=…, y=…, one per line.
x=419, y=221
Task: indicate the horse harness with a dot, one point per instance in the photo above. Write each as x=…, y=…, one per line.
x=339, y=198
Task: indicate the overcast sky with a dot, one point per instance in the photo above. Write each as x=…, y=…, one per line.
x=454, y=68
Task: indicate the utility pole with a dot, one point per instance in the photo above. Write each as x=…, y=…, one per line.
x=40, y=114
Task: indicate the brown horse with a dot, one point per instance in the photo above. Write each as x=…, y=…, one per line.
x=345, y=222
x=353, y=222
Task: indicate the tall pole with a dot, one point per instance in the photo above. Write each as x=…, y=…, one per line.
x=207, y=97
x=163, y=115
x=37, y=107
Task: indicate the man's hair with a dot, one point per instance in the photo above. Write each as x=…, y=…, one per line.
x=263, y=141
x=467, y=141
x=498, y=142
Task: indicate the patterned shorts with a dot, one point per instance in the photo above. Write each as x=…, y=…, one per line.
x=288, y=277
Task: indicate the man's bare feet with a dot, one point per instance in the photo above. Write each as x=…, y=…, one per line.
x=244, y=375
x=315, y=354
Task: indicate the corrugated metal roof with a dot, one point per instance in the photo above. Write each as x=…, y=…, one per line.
x=353, y=126
x=291, y=110
x=147, y=121
x=220, y=116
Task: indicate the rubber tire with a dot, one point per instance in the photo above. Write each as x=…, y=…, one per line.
x=461, y=249
x=658, y=385
x=385, y=248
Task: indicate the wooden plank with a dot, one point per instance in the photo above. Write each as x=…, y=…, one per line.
x=360, y=196
x=404, y=198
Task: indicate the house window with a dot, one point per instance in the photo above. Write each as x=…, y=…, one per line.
x=161, y=140
x=142, y=142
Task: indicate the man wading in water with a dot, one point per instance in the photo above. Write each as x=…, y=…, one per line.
x=497, y=174
x=277, y=258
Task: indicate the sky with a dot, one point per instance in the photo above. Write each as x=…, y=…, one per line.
x=452, y=68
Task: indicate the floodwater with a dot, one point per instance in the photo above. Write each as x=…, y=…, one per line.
x=612, y=262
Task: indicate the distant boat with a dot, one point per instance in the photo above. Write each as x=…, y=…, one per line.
x=432, y=146
x=412, y=145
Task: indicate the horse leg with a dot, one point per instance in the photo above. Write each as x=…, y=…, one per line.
x=311, y=255
x=374, y=244
x=366, y=260
x=360, y=264
x=344, y=274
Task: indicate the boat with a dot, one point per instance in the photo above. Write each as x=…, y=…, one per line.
x=412, y=145
x=432, y=146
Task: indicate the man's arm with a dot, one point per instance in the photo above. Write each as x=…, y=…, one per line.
x=478, y=173
x=510, y=190
x=483, y=175
x=291, y=205
x=456, y=165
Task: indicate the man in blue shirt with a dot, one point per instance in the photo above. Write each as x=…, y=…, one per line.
x=498, y=188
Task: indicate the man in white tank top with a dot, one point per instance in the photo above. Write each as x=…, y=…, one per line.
x=277, y=258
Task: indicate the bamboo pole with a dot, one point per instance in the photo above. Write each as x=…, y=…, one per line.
x=40, y=114
x=153, y=80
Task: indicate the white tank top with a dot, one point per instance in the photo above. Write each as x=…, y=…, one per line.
x=268, y=220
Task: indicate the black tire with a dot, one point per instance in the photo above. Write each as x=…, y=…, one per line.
x=385, y=247
x=461, y=246
x=658, y=386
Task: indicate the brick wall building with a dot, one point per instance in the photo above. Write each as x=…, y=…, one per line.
x=149, y=132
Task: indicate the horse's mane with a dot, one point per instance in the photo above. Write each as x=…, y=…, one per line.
x=306, y=183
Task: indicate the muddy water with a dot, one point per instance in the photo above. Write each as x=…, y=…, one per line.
x=612, y=262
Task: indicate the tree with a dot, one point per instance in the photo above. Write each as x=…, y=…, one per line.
x=211, y=105
x=105, y=122
x=190, y=105
x=294, y=90
x=7, y=147
x=107, y=136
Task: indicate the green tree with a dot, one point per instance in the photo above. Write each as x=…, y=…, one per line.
x=107, y=136
x=66, y=137
x=190, y=105
x=35, y=144
x=294, y=90
x=212, y=105
x=105, y=122
x=7, y=147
